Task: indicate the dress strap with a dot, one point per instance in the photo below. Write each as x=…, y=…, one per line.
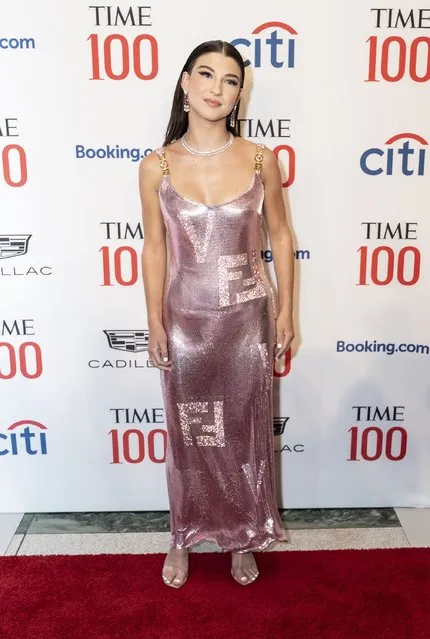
x=164, y=165
x=258, y=158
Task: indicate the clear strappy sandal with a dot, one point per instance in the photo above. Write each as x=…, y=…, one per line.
x=175, y=564
x=179, y=579
x=243, y=580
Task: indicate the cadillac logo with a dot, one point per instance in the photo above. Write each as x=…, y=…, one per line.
x=279, y=424
x=129, y=341
x=13, y=245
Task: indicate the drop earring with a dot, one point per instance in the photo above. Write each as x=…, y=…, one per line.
x=233, y=116
x=186, y=102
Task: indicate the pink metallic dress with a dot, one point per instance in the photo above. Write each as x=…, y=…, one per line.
x=219, y=316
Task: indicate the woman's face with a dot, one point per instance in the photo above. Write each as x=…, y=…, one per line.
x=213, y=85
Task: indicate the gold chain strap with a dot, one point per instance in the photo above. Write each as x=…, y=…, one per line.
x=258, y=158
x=164, y=165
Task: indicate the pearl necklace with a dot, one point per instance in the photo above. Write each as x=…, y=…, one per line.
x=207, y=153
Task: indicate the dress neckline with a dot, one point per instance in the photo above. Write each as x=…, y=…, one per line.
x=167, y=178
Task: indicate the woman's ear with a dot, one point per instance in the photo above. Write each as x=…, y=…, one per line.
x=185, y=80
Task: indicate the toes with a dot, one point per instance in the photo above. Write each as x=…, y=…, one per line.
x=168, y=574
x=244, y=568
x=172, y=574
x=249, y=574
x=254, y=571
x=177, y=580
x=242, y=576
x=174, y=577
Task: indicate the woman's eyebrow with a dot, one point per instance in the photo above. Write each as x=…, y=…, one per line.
x=233, y=75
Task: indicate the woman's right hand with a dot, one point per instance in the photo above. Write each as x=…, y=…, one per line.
x=157, y=347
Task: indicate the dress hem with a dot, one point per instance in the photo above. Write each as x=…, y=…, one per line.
x=267, y=542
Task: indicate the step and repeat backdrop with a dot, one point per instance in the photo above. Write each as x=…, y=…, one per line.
x=340, y=92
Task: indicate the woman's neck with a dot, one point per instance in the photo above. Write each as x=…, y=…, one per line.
x=206, y=135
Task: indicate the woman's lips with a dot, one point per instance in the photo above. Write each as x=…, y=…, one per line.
x=212, y=103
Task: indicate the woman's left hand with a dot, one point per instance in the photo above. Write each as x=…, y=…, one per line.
x=284, y=333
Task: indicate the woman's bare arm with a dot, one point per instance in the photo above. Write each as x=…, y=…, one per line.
x=154, y=254
x=281, y=244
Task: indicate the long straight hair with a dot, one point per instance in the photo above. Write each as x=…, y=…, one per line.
x=178, y=122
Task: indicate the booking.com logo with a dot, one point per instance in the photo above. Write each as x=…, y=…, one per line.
x=110, y=152
x=299, y=254
x=17, y=43
x=373, y=346
x=273, y=42
x=25, y=441
x=407, y=164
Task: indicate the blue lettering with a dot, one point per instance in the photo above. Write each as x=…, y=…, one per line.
x=363, y=161
x=246, y=43
x=421, y=161
x=273, y=42
x=4, y=451
x=405, y=151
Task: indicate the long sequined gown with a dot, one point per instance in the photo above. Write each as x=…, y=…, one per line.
x=218, y=313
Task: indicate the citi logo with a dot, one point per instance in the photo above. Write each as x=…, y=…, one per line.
x=25, y=437
x=407, y=157
x=279, y=44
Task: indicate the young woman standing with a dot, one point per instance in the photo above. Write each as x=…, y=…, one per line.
x=214, y=323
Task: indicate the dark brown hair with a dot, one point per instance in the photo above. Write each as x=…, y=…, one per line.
x=178, y=122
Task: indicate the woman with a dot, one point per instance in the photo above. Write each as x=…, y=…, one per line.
x=214, y=327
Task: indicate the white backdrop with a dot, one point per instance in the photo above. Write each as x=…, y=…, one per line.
x=341, y=92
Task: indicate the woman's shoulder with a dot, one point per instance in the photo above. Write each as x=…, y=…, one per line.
x=250, y=145
x=150, y=164
x=251, y=149
x=151, y=167
x=173, y=147
x=152, y=161
x=154, y=155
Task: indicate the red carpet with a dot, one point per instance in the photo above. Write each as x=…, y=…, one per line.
x=339, y=594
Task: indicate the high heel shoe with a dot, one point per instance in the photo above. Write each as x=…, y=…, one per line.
x=178, y=580
x=243, y=579
x=179, y=571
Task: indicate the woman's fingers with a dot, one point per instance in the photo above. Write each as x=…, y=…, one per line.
x=160, y=357
x=283, y=343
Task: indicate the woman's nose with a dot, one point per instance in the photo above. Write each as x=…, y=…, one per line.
x=217, y=88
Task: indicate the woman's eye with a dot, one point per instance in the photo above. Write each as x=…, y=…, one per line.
x=207, y=74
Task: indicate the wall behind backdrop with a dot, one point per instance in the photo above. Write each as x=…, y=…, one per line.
x=340, y=92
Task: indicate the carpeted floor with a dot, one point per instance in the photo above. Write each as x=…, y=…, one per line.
x=337, y=594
